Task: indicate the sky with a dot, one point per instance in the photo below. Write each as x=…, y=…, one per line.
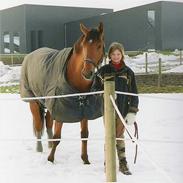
x=113, y=4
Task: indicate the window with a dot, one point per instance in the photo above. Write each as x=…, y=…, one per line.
x=151, y=17
x=6, y=42
x=16, y=42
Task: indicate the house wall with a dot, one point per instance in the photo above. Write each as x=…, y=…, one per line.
x=172, y=25
x=129, y=27
x=40, y=25
x=13, y=21
x=132, y=28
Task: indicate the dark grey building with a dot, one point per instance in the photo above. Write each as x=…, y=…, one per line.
x=157, y=26
x=27, y=27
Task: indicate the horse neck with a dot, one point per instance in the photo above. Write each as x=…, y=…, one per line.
x=74, y=76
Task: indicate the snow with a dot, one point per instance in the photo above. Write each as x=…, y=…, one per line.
x=170, y=63
x=9, y=74
x=178, y=69
x=160, y=129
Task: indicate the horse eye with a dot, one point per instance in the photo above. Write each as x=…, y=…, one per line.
x=99, y=47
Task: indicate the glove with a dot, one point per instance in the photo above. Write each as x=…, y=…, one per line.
x=130, y=118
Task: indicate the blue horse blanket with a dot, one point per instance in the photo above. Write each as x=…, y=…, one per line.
x=43, y=73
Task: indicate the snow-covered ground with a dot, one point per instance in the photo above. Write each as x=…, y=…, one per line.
x=170, y=63
x=160, y=147
x=159, y=157
x=9, y=75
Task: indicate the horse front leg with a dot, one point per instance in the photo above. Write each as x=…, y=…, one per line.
x=49, y=125
x=38, y=122
x=84, y=134
x=57, y=135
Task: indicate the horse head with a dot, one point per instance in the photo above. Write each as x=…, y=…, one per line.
x=92, y=48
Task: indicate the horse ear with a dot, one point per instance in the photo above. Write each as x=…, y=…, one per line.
x=84, y=29
x=101, y=27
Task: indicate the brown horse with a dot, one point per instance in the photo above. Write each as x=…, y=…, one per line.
x=41, y=76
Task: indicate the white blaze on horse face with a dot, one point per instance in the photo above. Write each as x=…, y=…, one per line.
x=90, y=41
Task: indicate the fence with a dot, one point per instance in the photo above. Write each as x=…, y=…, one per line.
x=159, y=64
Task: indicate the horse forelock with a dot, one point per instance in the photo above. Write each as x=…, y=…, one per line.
x=94, y=35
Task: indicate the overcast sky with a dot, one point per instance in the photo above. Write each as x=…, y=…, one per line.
x=113, y=4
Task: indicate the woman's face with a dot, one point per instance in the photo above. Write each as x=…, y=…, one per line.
x=116, y=56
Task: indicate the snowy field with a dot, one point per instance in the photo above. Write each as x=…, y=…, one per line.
x=159, y=157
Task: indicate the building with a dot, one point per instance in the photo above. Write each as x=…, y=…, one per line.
x=25, y=28
x=151, y=26
x=156, y=25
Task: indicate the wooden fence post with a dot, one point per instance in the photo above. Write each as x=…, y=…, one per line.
x=11, y=59
x=110, y=129
x=180, y=57
x=146, y=62
x=159, y=73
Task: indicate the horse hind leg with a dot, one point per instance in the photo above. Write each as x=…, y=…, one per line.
x=49, y=125
x=84, y=134
x=38, y=123
x=57, y=135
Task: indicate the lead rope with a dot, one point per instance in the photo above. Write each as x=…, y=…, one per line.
x=136, y=135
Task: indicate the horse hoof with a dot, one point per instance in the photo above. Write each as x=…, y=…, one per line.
x=51, y=159
x=85, y=159
x=86, y=162
x=39, y=147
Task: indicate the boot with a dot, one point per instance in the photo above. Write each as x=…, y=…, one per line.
x=50, y=136
x=39, y=147
x=123, y=167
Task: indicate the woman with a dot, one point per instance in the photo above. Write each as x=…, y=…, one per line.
x=128, y=105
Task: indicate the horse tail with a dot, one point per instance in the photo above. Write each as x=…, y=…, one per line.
x=42, y=115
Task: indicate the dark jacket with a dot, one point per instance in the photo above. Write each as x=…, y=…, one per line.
x=124, y=82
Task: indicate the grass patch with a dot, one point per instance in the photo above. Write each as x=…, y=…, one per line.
x=9, y=89
x=133, y=53
x=141, y=89
x=12, y=59
x=162, y=89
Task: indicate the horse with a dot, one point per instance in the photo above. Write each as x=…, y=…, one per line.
x=50, y=72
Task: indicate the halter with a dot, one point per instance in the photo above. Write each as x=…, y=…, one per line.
x=90, y=61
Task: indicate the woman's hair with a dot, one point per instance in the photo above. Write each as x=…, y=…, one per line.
x=116, y=46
